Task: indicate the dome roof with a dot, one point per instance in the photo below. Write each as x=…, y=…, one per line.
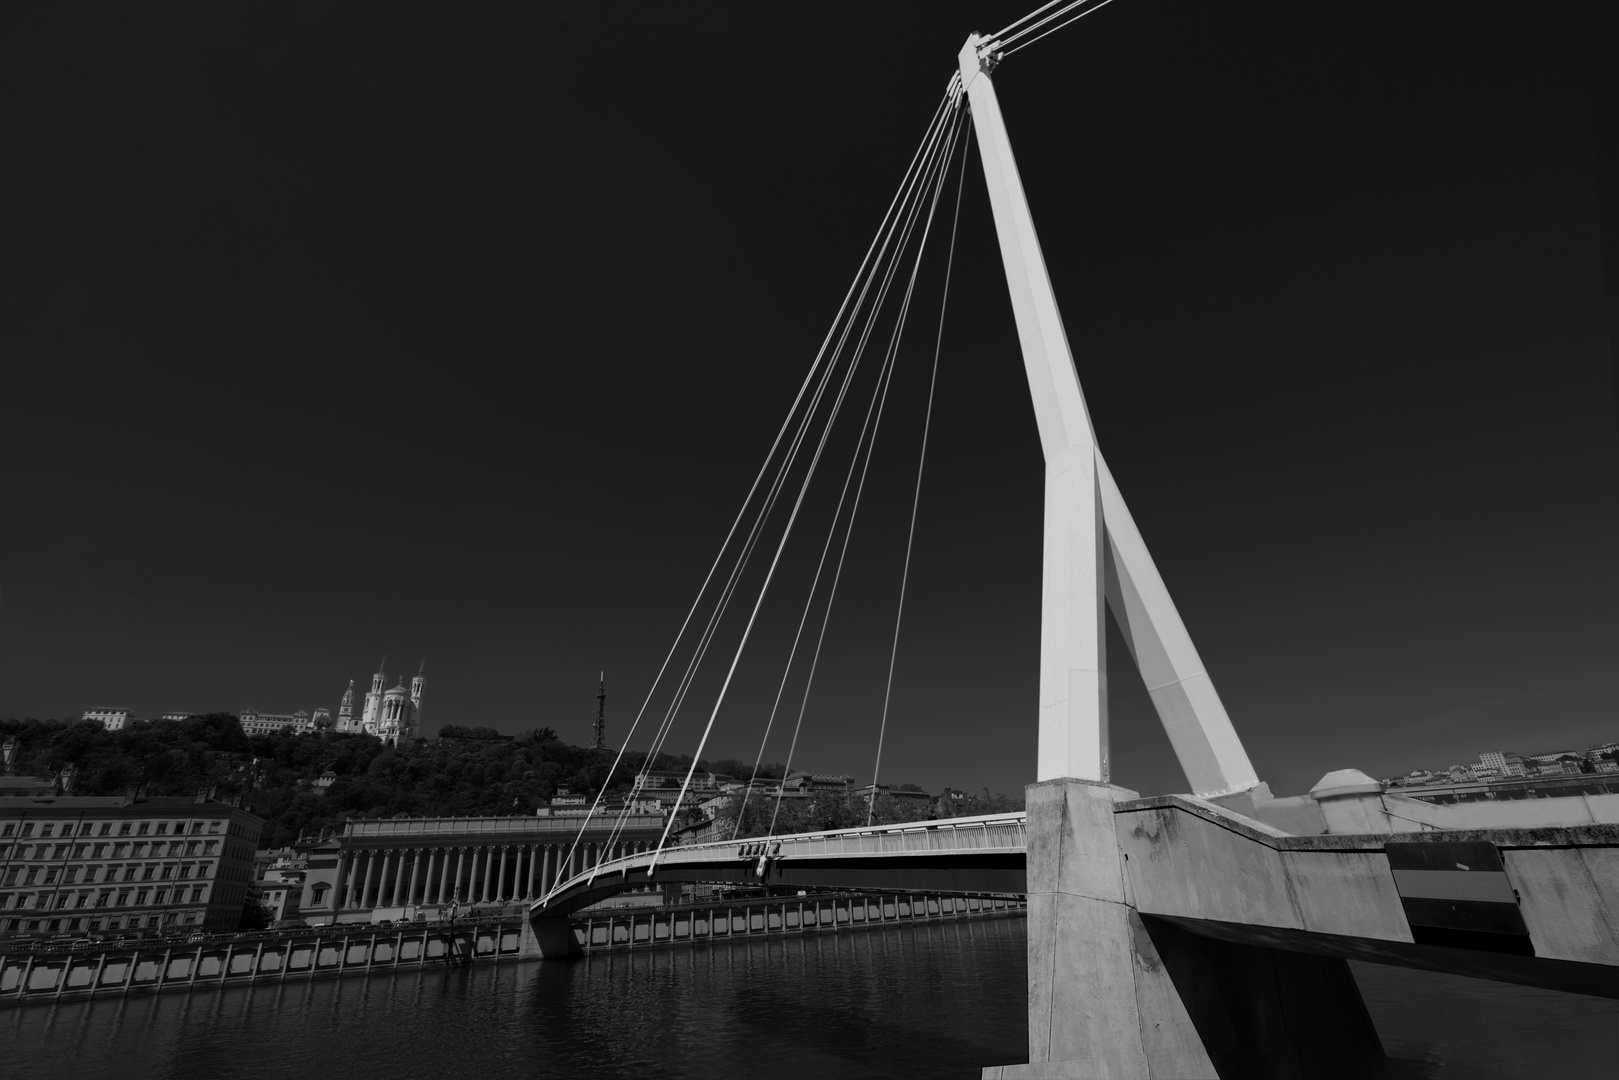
x=398, y=691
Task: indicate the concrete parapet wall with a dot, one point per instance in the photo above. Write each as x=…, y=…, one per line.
x=1203, y=865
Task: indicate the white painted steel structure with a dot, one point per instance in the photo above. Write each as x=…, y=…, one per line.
x=987, y=835
x=1093, y=553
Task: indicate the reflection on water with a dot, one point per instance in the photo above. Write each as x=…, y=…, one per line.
x=940, y=999
x=934, y=1000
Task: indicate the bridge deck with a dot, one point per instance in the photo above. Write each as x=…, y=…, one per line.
x=964, y=855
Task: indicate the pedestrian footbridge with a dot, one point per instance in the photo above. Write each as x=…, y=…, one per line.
x=973, y=855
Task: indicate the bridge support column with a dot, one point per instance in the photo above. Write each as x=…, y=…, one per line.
x=550, y=938
x=1101, y=1003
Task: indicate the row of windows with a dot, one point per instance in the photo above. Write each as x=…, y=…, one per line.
x=138, y=849
x=88, y=828
x=105, y=898
x=135, y=922
x=31, y=874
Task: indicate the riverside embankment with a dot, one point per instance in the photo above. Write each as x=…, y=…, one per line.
x=36, y=974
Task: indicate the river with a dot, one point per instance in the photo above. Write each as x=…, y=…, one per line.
x=932, y=1000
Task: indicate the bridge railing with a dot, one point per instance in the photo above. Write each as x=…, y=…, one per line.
x=991, y=832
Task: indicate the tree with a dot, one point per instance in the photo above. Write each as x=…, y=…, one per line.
x=255, y=916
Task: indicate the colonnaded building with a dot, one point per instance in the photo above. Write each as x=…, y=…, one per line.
x=74, y=864
x=399, y=867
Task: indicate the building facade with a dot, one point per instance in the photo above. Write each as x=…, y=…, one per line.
x=262, y=723
x=81, y=864
x=397, y=868
x=111, y=719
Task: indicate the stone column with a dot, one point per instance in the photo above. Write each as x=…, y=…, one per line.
x=346, y=898
x=427, y=878
x=533, y=852
x=455, y=882
x=388, y=895
x=545, y=868
x=415, y=872
x=488, y=864
x=370, y=875
x=340, y=882
x=500, y=876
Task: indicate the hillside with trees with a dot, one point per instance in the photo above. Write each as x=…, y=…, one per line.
x=467, y=771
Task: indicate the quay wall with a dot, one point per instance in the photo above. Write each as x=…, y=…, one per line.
x=63, y=974
x=596, y=930
x=154, y=967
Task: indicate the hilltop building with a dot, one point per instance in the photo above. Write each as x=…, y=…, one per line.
x=111, y=719
x=393, y=716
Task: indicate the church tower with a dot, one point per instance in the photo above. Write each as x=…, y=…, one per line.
x=373, y=700
x=417, y=686
x=345, y=711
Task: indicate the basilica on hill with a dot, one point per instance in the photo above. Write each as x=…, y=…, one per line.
x=394, y=716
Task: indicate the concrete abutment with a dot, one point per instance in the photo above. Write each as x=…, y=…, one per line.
x=1116, y=994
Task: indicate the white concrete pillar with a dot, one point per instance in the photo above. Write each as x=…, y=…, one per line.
x=528, y=894
x=488, y=864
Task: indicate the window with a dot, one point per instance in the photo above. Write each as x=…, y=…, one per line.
x=106, y=829
x=46, y=830
x=213, y=826
x=5, y=851
x=28, y=829
x=120, y=850
x=185, y=872
x=102, y=898
x=166, y=873
x=162, y=827
x=73, y=924
x=211, y=848
x=162, y=897
x=151, y=920
x=196, y=895
x=99, y=852
x=141, y=897
x=205, y=869
x=191, y=917
x=95, y=924
x=72, y=875
x=146, y=875
x=179, y=828
x=84, y=829
x=11, y=827
x=81, y=851
x=5, y=899
x=123, y=830
x=50, y=876
x=83, y=901
x=122, y=901
x=144, y=829
x=194, y=847
x=29, y=878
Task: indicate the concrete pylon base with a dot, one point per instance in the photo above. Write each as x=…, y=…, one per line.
x=1101, y=1003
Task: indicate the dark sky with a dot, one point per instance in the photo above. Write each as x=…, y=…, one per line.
x=459, y=331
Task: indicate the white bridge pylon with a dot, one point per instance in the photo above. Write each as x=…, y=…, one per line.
x=1093, y=552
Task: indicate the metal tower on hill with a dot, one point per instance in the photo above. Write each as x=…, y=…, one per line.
x=601, y=713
